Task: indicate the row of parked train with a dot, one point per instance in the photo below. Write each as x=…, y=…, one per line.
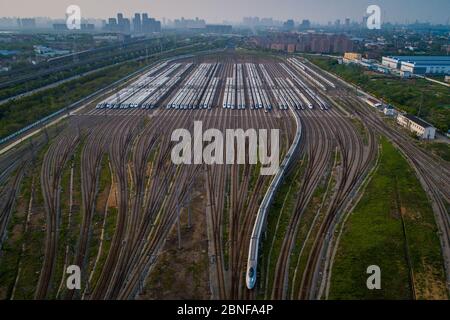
x=234, y=95
x=147, y=91
x=198, y=91
x=311, y=74
x=285, y=92
x=307, y=89
x=235, y=92
x=257, y=93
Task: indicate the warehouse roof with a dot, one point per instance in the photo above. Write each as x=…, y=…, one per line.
x=418, y=121
x=422, y=60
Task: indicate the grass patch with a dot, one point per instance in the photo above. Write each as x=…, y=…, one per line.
x=361, y=129
x=11, y=255
x=63, y=230
x=110, y=227
x=104, y=185
x=439, y=149
x=373, y=235
x=311, y=221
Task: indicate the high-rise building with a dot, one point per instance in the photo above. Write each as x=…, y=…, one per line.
x=112, y=24
x=145, y=23
x=267, y=22
x=137, y=25
x=126, y=25
x=320, y=43
x=306, y=42
x=27, y=23
x=150, y=25
x=338, y=23
x=342, y=44
x=306, y=24
x=189, y=23
x=251, y=21
x=347, y=23
x=289, y=25
x=364, y=22
x=123, y=25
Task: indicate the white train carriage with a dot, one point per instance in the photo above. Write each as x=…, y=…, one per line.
x=318, y=75
x=294, y=89
x=261, y=217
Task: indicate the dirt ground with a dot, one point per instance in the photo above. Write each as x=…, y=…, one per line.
x=183, y=273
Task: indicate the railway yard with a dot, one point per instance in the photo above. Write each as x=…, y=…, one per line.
x=100, y=190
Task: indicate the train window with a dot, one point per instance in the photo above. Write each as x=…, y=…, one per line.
x=251, y=272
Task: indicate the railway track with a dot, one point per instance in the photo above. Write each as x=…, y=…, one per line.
x=52, y=167
x=356, y=164
x=151, y=190
x=434, y=174
x=8, y=197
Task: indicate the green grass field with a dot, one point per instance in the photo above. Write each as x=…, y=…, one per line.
x=15, y=115
x=439, y=149
x=374, y=235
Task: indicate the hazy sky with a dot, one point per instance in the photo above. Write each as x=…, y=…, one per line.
x=437, y=11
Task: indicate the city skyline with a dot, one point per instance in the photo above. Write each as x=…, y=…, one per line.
x=433, y=11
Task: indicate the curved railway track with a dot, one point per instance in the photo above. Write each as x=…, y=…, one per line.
x=52, y=167
x=151, y=190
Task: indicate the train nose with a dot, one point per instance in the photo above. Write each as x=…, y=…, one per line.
x=251, y=278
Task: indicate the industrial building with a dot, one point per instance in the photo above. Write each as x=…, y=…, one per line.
x=352, y=56
x=304, y=42
x=389, y=111
x=374, y=103
x=416, y=125
x=420, y=65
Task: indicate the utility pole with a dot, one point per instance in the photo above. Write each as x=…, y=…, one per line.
x=178, y=225
x=421, y=103
x=189, y=211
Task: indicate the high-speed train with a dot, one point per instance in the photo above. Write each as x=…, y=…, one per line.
x=252, y=260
